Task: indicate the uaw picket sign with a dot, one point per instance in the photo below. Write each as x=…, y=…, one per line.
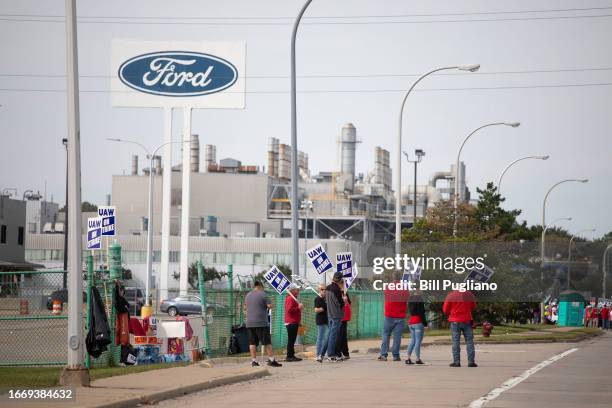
x=348, y=280
x=94, y=233
x=192, y=74
x=277, y=279
x=412, y=273
x=319, y=259
x=108, y=214
x=344, y=263
x=480, y=275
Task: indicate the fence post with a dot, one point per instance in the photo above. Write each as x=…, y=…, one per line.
x=114, y=275
x=90, y=277
x=203, y=303
x=230, y=286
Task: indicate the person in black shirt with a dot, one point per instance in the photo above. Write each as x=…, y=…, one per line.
x=320, y=308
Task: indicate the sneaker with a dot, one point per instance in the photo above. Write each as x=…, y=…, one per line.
x=332, y=359
x=397, y=358
x=419, y=361
x=409, y=362
x=347, y=357
x=274, y=363
x=455, y=364
x=340, y=359
x=292, y=359
x=319, y=359
x=472, y=365
x=254, y=363
x=382, y=358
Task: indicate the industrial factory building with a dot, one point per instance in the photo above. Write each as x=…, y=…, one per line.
x=240, y=213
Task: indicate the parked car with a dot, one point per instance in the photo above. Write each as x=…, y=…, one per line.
x=190, y=304
x=135, y=297
x=61, y=295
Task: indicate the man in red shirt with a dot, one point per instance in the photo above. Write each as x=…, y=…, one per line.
x=459, y=306
x=605, y=316
x=293, y=316
x=396, y=303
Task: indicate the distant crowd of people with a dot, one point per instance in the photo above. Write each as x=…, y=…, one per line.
x=332, y=310
x=598, y=316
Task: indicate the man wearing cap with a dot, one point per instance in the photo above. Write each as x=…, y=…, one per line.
x=293, y=316
x=335, y=313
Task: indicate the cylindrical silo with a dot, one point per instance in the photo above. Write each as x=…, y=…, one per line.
x=284, y=162
x=210, y=156
x=135, y=165
x=157, y=166
x=347, y=146
x=195, y=154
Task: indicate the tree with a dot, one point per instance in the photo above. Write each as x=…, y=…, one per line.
x=210, y=274
x=493, y=221
x=86, y=206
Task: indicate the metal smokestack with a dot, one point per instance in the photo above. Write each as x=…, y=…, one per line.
x=210, y=156
x=157, y=166
x=135, y=165
x=195, y=154
x=347, y=145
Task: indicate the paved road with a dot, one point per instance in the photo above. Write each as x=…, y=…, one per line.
x=582, y=378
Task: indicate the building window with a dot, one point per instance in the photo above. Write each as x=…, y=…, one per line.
x=20, y=236
x=32, y=227
x=3, y=234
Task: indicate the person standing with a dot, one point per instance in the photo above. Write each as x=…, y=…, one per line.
x=257, y=305
x=293, y=317
x=416, y=324
x=605, y=317
x=395, y=320
x=335, y=313
x=320, y=309
x=342, y=350
x=459, y=306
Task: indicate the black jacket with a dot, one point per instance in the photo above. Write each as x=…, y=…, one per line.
x=416, y=307
x=98, y=336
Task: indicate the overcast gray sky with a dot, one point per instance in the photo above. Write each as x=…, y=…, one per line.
x=548, y=69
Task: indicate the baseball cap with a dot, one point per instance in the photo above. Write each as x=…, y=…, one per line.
x=337, y=276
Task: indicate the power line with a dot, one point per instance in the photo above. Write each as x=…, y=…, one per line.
x=81, y=21
x=320, y=91
x=319, y=17
x=319, y=76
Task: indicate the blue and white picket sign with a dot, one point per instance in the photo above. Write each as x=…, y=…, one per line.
x=480, y=275
x=277, y=279
x=108, y=214
x=344, y=263
x=412, y=273
x=94, y=233
x=348, y=280
x=319, y=259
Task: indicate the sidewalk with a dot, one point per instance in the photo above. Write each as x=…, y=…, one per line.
x=152, y=386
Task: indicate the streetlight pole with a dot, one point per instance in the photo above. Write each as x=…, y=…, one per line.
x=295, y=243
x=419, y=155
x=569, y=254
x=604, y=265
x=151, y=157
x=544, y=214
x=398, y=178
x=457, y=194
x=65, y=277
x=501, y=176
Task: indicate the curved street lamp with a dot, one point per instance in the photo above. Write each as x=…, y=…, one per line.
x=604, y=271
x=511, y=124
x=569, y=253
x=398, y=182
x=501, y=176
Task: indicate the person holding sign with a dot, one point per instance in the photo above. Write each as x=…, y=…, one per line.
x=342, y=350
x=293, y=317
x=320, y=309
x=335, y=314
x=459, y=306
x=257, y=305
x=417, y=324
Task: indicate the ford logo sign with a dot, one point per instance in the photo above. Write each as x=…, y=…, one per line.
x=178, y=73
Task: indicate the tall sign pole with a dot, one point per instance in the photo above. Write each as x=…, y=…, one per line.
x=75, y=373
x=185, y=202
x=295, y=232
x=166, y=205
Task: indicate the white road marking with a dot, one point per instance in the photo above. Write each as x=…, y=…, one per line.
x=513, y=382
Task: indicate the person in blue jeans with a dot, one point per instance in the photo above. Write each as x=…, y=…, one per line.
x=458, y=306
x=395, y=317
x=335, y=313
x=320, y=309
x=416, y=324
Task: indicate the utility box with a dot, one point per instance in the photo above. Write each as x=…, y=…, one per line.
x=571, y=308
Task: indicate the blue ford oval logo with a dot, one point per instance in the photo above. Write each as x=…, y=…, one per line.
x=178, y=73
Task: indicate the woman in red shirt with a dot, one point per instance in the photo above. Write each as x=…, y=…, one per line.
x=417, y=324
x=342, y=341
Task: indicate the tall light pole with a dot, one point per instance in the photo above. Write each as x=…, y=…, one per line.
x=544, y=240
x=398, y=178
x=295, y=239
x=457, y=193
x=75, y=372
x=604, y=265
x=65, y=277
x=569, y=254
x=501, y=176
x=151, y=157
x=544, y=211
x=419, y=153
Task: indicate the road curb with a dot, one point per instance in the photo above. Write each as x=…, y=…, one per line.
x=154, y=397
